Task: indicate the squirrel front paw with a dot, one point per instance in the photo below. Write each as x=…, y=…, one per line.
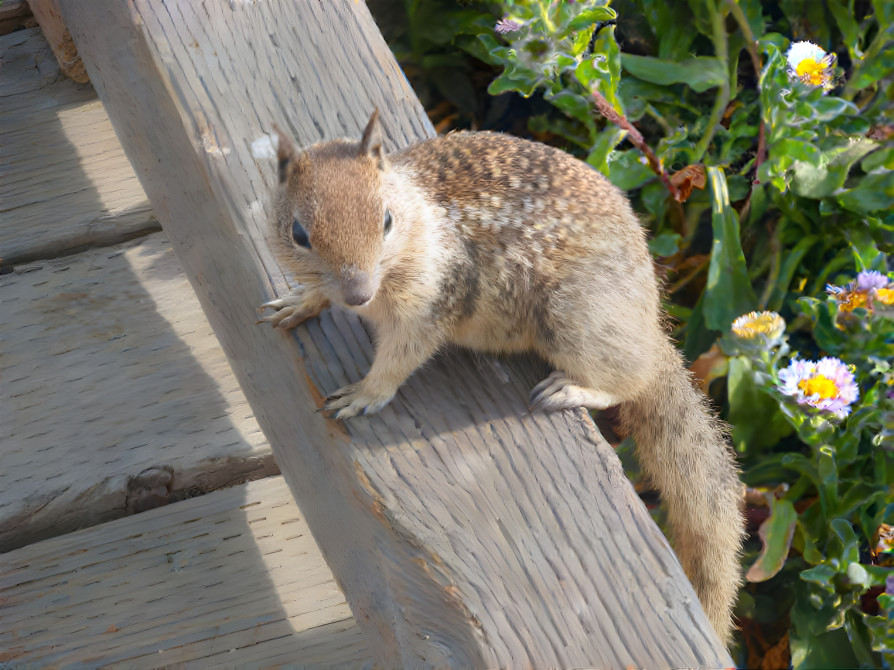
x=356, y=399
x=291, y=311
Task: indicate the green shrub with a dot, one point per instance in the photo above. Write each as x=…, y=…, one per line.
x=763, y=166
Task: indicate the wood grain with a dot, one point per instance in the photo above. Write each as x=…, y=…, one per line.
x=65, y=183
x=116, y=394
x=232, y=579
x=463, y=531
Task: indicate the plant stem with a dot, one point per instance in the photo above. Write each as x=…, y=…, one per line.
x=750, y=47
x=721, y=49
x=605, y=108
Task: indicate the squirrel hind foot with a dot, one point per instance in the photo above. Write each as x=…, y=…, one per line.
x=558, y=392
x=355, y=399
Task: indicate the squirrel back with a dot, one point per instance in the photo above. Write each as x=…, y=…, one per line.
x=504, y=245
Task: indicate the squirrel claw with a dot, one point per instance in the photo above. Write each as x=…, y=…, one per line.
x=354, y=399
x=288, y=314
x=558, y=392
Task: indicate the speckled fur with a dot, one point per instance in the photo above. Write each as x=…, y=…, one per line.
x=505, y=245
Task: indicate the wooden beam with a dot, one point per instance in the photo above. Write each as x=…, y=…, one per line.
x=464, y=531
x=49, y=18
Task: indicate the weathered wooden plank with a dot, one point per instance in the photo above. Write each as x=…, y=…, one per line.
x=15, y=15
x=116, y=395
x=231, y=578
x=47, y=14
x=464, y=531
x=65, y=183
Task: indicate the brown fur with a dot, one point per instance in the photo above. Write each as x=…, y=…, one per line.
x=505, y=245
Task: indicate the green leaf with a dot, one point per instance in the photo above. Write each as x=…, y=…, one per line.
x=883, y=158
x=590, y=16
x=700, y=73
x=800, y=463
x=821, y=575
x=776, y=535
x=844, y=18
x=669, y=22
x=665, y=244
x=828, y=480
x=884, y=13
x=829, y=173
x=728, y=293
x=755, y=415
x=787, y=271
x=602, y=71
x=605, y=143
x=876, y=64
x=874, y=193
x=628, y=169
x=827, y=108
x=821, y=649
x=574, y=105
x=849, y=549
x=522, y=84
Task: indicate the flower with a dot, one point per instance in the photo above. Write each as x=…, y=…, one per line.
x=811, y=65
x=507, y=26
x=885, y=295
x=766, y=327
x=869, y=286
x=870, y=279
x=827, y=384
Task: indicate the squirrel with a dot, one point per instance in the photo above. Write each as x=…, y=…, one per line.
x=501, y=245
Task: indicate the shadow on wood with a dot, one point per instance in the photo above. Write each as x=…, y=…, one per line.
x=229, y=579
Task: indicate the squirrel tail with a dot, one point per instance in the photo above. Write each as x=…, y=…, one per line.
x=683, y=449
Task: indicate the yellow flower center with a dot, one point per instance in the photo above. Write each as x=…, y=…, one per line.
x=818, y=385
x=765, y=323
x=754, y=324
x=811, y=71
x=848, y=302
x=885, y=295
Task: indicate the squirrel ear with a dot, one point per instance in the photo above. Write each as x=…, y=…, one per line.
x=285, y=153
x=371, y=143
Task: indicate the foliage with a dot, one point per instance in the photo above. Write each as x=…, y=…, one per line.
x=764, y=172
x=829, y=500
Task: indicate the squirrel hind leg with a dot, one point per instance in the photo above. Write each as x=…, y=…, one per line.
x=558, y=392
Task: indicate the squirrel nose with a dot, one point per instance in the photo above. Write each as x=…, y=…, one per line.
x=357, y=288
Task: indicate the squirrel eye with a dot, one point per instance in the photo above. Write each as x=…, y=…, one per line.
x=299, y=235
x=386, y=224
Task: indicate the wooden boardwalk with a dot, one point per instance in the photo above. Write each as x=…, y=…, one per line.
x=117, y=398
x=232, y=578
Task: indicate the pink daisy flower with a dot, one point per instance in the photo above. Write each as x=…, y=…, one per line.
x=827, y=384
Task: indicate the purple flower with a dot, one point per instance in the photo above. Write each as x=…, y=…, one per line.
x=870, y=279
x=507, y=26
x=827, y=384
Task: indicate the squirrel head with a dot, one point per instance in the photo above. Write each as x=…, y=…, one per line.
x=331, y=206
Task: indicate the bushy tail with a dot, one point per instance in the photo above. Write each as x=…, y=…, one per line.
x=683, y=448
